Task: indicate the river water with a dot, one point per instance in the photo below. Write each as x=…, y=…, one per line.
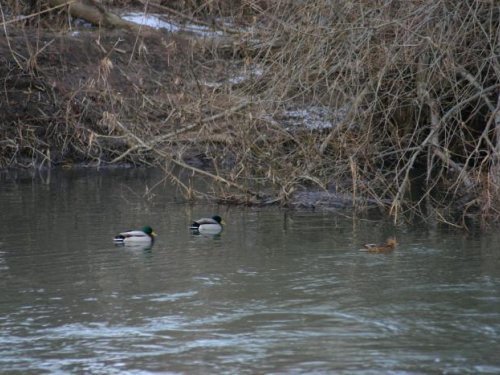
x=276, y=293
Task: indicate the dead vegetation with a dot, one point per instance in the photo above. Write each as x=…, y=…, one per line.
x=417, y=85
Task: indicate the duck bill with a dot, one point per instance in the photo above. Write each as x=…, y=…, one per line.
x=153, y=234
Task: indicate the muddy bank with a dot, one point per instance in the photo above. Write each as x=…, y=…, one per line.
x=295, y=97
x=95, y=98
x=75, y=96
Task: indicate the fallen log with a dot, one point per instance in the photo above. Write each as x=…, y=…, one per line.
x=94, y=13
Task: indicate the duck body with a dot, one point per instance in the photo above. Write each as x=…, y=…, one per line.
x=146, y=235
x=213, y=225
x=381, y=248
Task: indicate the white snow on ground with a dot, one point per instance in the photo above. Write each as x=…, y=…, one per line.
x=312, y=117
x=150, y=20
x=155, y=21
x=250, y=73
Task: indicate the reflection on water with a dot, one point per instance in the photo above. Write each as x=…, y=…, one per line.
x=275, y=292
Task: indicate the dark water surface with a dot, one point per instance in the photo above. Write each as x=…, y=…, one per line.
x=277, y=292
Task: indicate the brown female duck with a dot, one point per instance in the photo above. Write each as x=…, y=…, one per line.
x=381, y=248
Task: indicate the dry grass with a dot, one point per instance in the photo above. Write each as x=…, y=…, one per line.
x=419, y=82
x=421, y=79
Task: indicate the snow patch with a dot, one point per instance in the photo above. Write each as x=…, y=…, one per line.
x=150, y=20
x=315, y=118
x=248, y=74
x=155, y=21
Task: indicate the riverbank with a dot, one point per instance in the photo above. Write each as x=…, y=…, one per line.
x=269, y=102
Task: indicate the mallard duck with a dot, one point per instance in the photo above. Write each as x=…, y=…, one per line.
x=211, y=225
x=142, y=236
x=381, y=248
